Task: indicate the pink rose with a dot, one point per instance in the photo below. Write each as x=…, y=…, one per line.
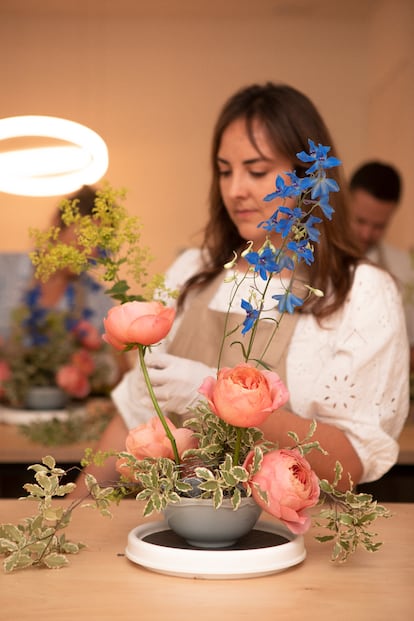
x=73, y=381
x=244, y=396
x=291, y=486
x=83, y=360
x=144, y=323
x=88, y=335
x=150, y=440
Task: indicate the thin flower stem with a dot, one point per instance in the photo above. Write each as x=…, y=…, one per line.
x=141, y=352
x=226, y=321
x=237, y=447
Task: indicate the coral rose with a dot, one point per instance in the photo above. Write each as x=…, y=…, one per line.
x=88, y=335
x=73, y=381
x=290, y=484
x=150, y=440
x=244, y=396
x=143, y=323
x=83, y=360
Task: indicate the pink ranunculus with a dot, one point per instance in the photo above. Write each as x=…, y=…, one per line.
x=145, y=323
x=83, y=360
x=73, y=381
x=291, y=486
x=150, y=440
x=88, y=335
x=244, y=396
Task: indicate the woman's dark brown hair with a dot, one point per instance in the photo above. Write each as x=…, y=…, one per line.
x=289, y=119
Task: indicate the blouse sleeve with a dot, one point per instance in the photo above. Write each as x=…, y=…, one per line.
x=364, y=388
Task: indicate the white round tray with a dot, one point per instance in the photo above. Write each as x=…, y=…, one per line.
x=157, y=548
x=13, y=416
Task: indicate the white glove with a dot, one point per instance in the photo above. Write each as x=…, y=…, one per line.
x=128, y=397
x=175, y=381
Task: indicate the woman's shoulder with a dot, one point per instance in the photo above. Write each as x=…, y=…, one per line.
x=369, y=276
x=375, y=294
x=186, y=264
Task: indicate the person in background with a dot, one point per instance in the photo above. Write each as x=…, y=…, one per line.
x=78, y=297
x=346, y=360
x=375, y=194
x=64, y=290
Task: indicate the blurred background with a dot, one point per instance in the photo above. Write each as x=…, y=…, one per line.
x=150, y=77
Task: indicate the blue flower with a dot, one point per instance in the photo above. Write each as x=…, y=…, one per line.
x=32, y=297
x=271, y=223
x=319, y=155
x=312, y=232
x=326, y=207
x=302, y=250
x=323, y=186
x=295, y=188
x=263, y=262
x=284, y=225
x=286, y=302
x=251, y=316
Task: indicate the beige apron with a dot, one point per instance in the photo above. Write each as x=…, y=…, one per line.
x=200, y=334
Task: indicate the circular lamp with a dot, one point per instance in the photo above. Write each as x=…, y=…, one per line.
x=51, y=170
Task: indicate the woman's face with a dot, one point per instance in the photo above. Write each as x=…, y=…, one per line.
x=246, y=175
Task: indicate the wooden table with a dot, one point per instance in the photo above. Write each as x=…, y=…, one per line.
x=100, y=583
x=406, y=440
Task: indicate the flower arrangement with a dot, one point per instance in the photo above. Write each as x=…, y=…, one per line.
x=220, y=453
x=49, y=347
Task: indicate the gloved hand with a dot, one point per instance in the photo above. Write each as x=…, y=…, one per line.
x=175, y=381
x=129, y=396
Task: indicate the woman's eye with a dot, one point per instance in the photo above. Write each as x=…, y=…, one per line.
x=258, y=173
x=224, y=173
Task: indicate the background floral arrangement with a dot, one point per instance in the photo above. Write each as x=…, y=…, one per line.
x=220, y=453
x=54, y=348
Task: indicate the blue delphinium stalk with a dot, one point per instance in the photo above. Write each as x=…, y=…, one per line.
x=297, y=227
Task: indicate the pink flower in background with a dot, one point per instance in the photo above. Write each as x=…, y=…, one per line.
x=73, y=381
x=88, y=335
x=145, y=323
x=244, y=396
x=5, y=374
x=291, y=486
x=83, y=360
x=150, y=440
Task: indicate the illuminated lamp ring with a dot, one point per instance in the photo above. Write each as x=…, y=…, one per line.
x=17, y=178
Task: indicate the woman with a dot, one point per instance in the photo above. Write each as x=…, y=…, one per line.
x=345, y=359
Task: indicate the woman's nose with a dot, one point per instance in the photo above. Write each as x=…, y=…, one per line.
x=237, y=186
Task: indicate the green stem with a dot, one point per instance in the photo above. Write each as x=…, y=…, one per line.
x=237, y=447
x=141, y=352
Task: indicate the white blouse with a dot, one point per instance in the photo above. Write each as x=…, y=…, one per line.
x=352, y=372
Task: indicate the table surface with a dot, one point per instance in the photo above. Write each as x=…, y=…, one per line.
x=100, y=583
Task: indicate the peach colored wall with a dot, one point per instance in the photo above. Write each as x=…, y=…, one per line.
x=390, y=95
x=152, y=86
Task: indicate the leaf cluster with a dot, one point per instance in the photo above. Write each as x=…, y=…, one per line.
x=217, y=438
x=38, y=541
x=76, y=428
x=348, y=515
x=109, y=241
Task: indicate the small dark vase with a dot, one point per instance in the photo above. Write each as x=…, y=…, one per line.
x=46, y=398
